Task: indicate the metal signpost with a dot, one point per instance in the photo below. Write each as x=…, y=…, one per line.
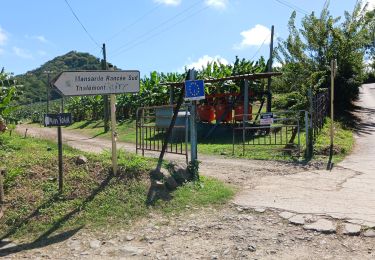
x=194, y=90
x=59, y=120
x=100, y=82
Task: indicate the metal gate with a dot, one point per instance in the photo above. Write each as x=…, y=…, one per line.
x=151, y=128
x=282, y=132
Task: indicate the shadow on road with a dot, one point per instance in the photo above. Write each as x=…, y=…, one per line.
x=358, y=120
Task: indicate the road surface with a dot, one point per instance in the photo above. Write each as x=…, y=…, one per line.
x=347, y=192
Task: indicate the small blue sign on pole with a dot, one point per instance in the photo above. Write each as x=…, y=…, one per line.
x=194, y=90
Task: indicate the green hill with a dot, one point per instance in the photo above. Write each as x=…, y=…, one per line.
x=35, y=82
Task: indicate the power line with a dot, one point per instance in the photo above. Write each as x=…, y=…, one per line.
x=84, y=28
x=127, y=27
x=292, y=6
x=158, y=26
x=162, y=31
x=256, y=53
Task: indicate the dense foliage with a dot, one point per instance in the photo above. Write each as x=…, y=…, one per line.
x=7, y=94
x=35, y=82
x=152, y=92
x=307, y=52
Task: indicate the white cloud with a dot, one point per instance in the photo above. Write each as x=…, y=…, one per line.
x=219, y=4
x=255, y=36
x=371, y=4
x=202, y=62
x=22, y=53
x=168, y=2
x=277, y=64
x=41, y=38
x=3, y=36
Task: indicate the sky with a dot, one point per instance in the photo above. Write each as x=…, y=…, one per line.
x=147, y=35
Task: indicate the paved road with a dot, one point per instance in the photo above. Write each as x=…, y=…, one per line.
x=347, y=192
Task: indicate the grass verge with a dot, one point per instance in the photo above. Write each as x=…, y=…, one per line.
x=221, y=144
x=343, y=142
x=92, y=197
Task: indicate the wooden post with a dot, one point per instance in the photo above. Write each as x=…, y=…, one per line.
x=333, y=74
x=171, y=95
x=2, y=199
x=60, y=152
x=307, y=134
x=114, y=134
x=269, y=94
x=311, y=123
x=105, y=97
x=245, y=113
x=60, y=155
x=333, y=69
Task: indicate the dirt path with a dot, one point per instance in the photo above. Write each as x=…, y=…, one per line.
x=347, y=192
x=237, y=171
x=248, y=230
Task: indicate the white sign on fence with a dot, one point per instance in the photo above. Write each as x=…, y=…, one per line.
x=83, y=83
x=266, y=119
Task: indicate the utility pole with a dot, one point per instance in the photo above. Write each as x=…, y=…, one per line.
x=105, y=97
x=269, y=94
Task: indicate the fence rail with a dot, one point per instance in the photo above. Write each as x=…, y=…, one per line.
x=319, y=110
x=283, y=132
x=151, y=128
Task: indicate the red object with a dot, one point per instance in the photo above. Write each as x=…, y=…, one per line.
x=239, y=110
x=206, y=113
x=220, y=110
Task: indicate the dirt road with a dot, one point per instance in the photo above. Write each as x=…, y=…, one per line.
x=256, y=226
x=347, y=192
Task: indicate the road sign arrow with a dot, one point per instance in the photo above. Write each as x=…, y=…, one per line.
x=84, y=83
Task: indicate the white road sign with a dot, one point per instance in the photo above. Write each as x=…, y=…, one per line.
x=97, y=82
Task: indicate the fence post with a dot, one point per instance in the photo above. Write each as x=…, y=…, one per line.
x=308, y=154
x=311, y=121
x=2, y=199
x=193, y=126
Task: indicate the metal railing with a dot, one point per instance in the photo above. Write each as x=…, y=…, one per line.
x=319, y=107
x=151, y=127
x=283, y=133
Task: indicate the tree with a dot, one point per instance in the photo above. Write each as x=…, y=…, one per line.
x=307, y=52
x=7, y=93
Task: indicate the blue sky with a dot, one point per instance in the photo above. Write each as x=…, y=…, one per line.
x=162, y=35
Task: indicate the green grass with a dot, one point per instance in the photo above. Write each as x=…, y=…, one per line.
x=343, y=142
x=221, y=144
x=92, y=197
x=126, y=129
x=208, y=191
x=218, y=145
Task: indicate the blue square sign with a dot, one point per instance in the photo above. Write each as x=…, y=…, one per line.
x=194, y=90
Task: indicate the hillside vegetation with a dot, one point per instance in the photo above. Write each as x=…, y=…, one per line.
x=35, y=82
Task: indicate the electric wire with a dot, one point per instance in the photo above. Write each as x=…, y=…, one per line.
x=158, y=26
x=257, y=52
x=292, y=6
x=79, y=21
x=127, y=27
x=135, y=44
